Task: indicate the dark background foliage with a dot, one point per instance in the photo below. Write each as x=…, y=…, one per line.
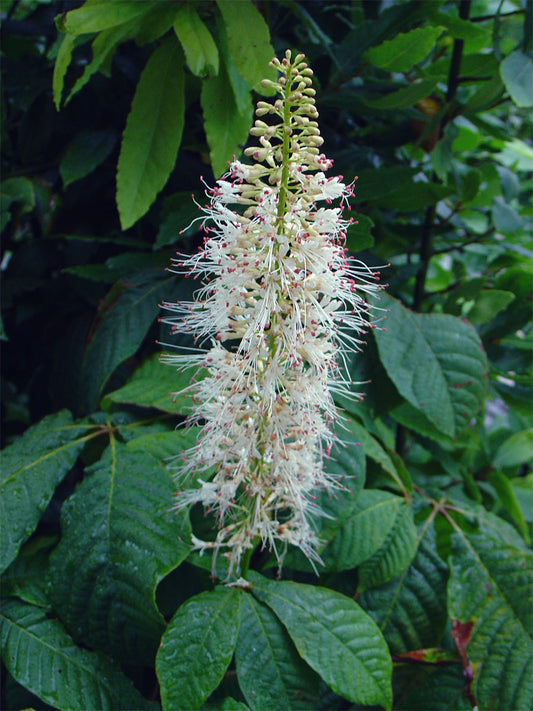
x=428, y=103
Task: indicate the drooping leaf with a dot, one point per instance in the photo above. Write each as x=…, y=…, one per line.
x=489, y=594
x=411, y=609
x=119, y=539
x=200, y=49
x=334, y=636
x=85, y=153
x=226, y=126
x=364, y=532
x=197, y=648
x=153, y=132
x=405, y=50
x=42, y=657
x=32, y=467
x=64, y=55
x=248, y=41
x=270, y=672
x=395, y=553
x=517, y=73
x=25, y=578
x=437, y=363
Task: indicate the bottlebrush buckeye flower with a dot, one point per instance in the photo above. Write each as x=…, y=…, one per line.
x=280, y=307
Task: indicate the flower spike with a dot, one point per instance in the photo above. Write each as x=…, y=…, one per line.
x=283, y=306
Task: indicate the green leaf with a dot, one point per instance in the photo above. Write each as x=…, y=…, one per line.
x=123, y=320
x=359, y=235
x=98, y=16
x=178, y=214
x=488, y=304
x=270, y=672
x=119, y=539
x=405, y=50
x=489, y=594
x=103, y=47
x=226, y=126
x=334, y=636
x=200, y=49
x=405, y=97
x=517, y=73
x=32, y=467
x=197, y=648
x=42, y=657
x=378, y=454
x=411, y=609
x=437, y=363
x=505, y=218
x=26, y=576
x=165, y=445
x=154, y=384
x=248, y=41
x=395, y=553
x=364, y=532
x=516, y=450
x=441, y=686
x=64, y=55
x=153, y=132
x=84, y=153
x=508, y=499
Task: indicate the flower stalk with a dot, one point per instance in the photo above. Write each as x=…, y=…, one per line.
x=280, y=307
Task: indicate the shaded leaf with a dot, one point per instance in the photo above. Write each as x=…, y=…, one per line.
x=85, y=153
x=42, y=657
x=517, y=73
x=32, y=467
x=406, y=96
x=97, y=16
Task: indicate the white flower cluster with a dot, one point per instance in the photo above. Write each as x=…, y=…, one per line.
x=280, y=306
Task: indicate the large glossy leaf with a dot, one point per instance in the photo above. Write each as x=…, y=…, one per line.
x=197, y=648
x=490, y=594
x=364, y=532
x=42, y=657
x=270, y=672
x=248, y=40
x=437, y=363
x=32, y=467
x=119, y=539
x=334, y=636
x=394, y=555
x=226, y=124
x=411, y=609
x=153, y=132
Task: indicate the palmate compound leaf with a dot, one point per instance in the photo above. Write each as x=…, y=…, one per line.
x=270, y=672
x=411, y=609
x=490, y=593
x=197, y=648
x=119, y=539
x=437, y=363
x=41, y=656
x=32, y=467
x=334, y=635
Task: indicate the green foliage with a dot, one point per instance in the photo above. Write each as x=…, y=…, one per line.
x=423, y=597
